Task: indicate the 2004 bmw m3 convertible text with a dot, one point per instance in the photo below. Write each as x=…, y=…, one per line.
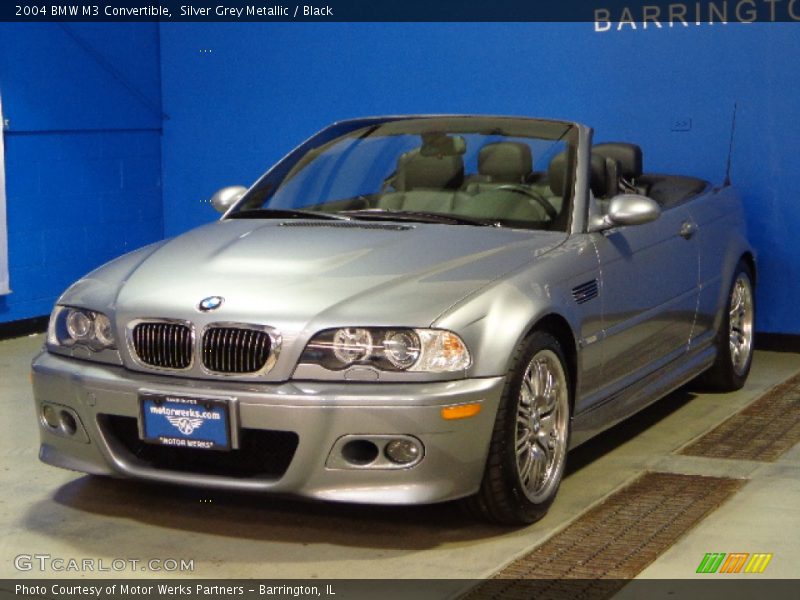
x=403, y=310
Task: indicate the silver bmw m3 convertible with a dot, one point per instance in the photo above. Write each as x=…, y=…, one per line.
x=403, y=310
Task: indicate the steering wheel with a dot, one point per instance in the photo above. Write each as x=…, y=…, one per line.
x=525, y=191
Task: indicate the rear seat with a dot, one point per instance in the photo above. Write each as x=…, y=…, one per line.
x=623, y=166
x=671, y=190
x=667, y=190
x=425, y=183
x=610, y=163
x=604, y=178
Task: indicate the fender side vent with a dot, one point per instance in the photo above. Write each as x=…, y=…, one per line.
x=585, y=291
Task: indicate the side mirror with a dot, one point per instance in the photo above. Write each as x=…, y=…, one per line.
x=227, y=197
x=628, y=209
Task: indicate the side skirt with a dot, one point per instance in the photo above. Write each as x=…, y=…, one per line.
x=641, y=394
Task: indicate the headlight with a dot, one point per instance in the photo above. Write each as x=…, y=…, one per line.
x=352, y=345
x=69, y=326
x=401, y=348
x=103, y=330
x=80, y=325
x=416, y=350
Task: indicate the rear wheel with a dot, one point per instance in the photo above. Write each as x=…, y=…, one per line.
x=735, y=339
x=529, y=442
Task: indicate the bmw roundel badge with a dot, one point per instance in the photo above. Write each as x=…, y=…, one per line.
x=210, y=303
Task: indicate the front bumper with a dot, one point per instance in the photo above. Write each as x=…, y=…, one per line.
x=319, y=413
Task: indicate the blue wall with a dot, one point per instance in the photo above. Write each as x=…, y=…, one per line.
x=241, y=95
x=83, y=152
x=86, y=156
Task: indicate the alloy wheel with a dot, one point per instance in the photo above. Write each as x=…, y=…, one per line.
x=542, y=425
x=741, y=323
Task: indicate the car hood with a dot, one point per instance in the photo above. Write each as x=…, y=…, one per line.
x=306, y=274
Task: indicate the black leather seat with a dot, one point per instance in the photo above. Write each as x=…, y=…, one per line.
x=501, y=163
x=502, y=187
x=667, y=190
x=425, y=183
x=601, y=175
x=627, y=156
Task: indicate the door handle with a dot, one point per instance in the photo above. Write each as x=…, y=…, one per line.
x=687, y=230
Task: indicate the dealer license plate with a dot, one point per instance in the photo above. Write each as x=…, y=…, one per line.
x=185, y=421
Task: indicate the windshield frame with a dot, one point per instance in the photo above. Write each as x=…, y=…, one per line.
x=573, y=134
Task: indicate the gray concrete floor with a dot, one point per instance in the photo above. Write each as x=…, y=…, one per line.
x=50, y=511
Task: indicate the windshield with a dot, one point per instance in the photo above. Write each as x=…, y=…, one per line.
x=453, y=170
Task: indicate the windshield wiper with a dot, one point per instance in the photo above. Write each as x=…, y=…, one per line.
x=420, y=216
x=284, y=213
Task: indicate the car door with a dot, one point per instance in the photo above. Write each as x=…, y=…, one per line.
x=649, y=294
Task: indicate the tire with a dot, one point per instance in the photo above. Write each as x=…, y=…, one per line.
x=735, y=337
x=527, y=456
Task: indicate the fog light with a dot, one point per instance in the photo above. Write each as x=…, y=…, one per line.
x=68, y=424
x=402, y=452
x=50, y=416
x=360, y=452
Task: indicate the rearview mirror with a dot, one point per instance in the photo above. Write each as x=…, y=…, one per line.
x=440, y=144
x=628, y=209
x=223, y=199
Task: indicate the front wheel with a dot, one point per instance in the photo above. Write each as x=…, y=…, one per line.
x=735, y=339
x=529, y=442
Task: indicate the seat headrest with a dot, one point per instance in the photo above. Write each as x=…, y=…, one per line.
x=432, y=172
x=599, y=181
x=509, y=162
x=629, y=157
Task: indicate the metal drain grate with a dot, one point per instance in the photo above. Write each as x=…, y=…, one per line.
x=762, y=431
x=596, y=554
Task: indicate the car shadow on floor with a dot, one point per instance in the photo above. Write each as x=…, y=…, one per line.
x=585, y=454
x=246, y=516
